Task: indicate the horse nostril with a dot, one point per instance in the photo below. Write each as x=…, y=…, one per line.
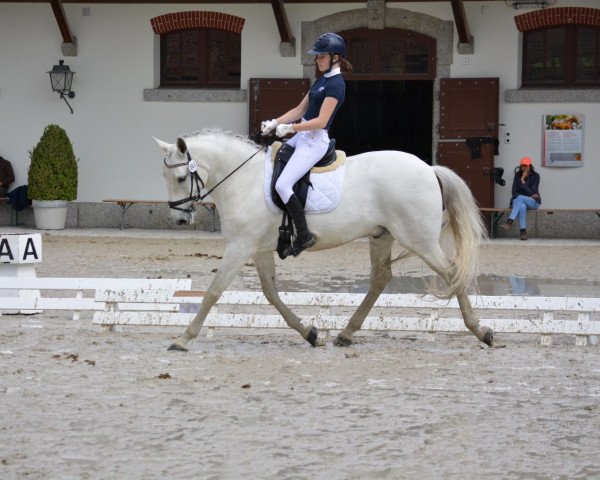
x=181, y=221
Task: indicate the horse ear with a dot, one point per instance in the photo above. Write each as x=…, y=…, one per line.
x=164, y=146
x=181, y=146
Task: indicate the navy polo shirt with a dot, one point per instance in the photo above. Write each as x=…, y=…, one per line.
x=333, y=86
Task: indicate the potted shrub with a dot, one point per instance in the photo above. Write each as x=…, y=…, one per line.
x=52, y=178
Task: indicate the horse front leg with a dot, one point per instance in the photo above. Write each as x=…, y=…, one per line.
x=233, y=259
x=265, y=266
x=380, y=251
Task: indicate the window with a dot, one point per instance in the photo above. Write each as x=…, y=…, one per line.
x=390, y=54
x=562, y=56
x=200, y=58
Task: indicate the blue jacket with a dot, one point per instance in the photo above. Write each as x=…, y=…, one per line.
x=528, y=188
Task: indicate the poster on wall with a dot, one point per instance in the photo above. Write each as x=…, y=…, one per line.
x=562, y=141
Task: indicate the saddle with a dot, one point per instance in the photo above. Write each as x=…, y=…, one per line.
x=301, y=187
x=282, y=156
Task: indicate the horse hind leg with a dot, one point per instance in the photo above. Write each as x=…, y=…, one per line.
x=435, y=258
x=265, y=266
x=380, y=251
x=483, y=333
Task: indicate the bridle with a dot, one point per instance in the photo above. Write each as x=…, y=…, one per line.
x=194, y=179
x=197, y=181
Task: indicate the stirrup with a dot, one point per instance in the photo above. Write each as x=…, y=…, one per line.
x=298, y=247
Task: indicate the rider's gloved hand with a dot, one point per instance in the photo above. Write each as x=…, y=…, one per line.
x=267, y=126
x=284, y=129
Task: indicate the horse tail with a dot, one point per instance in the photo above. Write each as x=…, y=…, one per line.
x=463, y=230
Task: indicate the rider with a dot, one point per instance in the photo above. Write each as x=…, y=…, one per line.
x=317, y=110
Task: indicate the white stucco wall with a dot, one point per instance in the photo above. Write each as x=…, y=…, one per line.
x=112, y=126
x=497, y=47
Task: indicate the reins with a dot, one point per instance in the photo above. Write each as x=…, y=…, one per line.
x=195, y=178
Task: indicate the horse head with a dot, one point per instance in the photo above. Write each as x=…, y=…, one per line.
x=185, y=179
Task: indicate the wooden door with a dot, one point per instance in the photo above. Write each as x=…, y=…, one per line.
x=271, y=97
x=469, y=116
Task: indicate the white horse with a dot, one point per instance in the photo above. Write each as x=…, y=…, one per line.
x=387, y=196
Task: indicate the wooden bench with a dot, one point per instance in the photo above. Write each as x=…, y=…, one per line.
x=19, y=285
x=126, y=204
x=497, y=213
x=427, y=314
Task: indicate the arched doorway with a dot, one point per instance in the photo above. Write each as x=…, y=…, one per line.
x=389, y=94
x=391, y=19
x=379, y=17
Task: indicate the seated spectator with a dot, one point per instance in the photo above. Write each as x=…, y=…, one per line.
x=7, y=176
x=525, y=195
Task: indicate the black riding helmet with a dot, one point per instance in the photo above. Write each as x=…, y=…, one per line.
x=330, y=43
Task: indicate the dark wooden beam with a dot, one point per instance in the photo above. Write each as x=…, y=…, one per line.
x=462, y=27
x=61, y=19
x=167, y=2
x=282, y=21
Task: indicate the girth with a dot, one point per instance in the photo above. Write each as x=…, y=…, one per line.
x=301, y=186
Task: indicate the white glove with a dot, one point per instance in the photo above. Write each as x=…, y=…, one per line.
x=284, y=129
x=267, y=126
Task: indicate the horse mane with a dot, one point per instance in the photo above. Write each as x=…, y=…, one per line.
x=219, y=133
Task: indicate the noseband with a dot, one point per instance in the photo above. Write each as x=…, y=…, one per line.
x=195, y=179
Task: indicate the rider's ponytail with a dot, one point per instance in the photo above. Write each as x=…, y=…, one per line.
x=346, y=66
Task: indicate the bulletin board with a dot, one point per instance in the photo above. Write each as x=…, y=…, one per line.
x=562, y=140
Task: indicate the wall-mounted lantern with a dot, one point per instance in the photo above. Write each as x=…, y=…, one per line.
x=61, y=79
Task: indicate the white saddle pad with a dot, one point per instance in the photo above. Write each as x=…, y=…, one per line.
x=323, y=197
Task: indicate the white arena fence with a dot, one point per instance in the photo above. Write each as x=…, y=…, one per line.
x=542, y=312
x=22, y=293
x=170, y=302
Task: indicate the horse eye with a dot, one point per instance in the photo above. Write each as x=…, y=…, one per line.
x=181, y=179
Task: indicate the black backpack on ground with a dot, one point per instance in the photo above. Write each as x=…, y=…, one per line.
x=18, y=199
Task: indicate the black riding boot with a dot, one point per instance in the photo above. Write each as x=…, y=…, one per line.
x=304, y=239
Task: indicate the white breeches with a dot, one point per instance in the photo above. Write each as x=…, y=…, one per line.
x=310, y=147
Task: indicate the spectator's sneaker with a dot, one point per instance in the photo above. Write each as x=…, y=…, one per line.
x=507, y=225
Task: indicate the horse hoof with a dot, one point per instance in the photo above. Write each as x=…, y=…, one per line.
x=177, y=347
x=342, y=341
x=488, y=338
x=312, y=336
